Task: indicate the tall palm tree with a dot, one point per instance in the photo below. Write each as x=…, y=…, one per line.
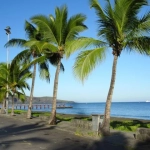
x=120, y=28
x=58, y=30
x=31, y=53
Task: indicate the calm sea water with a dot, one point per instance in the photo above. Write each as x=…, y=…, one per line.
x=139, y=110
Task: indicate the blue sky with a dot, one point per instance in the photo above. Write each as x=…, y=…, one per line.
x=133, y=70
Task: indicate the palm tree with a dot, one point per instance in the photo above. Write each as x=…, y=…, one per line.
x=18, y=82
x=3, y=85
x=2, y=99
x=58, y=30
x=29, y=54
x=120, y=28
x=15, y=78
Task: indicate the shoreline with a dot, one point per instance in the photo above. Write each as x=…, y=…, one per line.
x=112, y=118
x=80, y=116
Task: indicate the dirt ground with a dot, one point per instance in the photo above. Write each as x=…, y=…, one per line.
x=18, y=133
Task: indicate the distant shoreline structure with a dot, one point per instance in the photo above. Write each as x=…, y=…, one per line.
x=41, y=100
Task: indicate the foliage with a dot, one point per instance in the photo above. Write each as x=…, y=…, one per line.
x=61, y=118
x=35, y=46
x=17, y=111
x=15, y=78
x=128, y=125
x=57, y=31
x=120, y=28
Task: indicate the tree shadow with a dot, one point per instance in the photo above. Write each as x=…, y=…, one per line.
x=15, y=133
x=143, y=145
x=116, y=141
x=106, y=143
x=5, y=145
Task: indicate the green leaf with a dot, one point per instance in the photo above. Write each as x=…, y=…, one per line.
x=86, y=61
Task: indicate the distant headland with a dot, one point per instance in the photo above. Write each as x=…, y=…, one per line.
x=41, y=100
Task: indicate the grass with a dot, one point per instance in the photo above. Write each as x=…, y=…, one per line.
x=117, y=124
x=17, y=111
x=128, y=125
x=61, y=118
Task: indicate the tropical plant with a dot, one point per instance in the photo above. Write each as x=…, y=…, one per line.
x=31, y=55
x=3, y=85
x=120, y=27
x=58, y=30
x=15, y=78
x=17, y=82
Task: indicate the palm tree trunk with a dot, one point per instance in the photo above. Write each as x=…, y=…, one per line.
x=12, y=109
x=3, y=107
x=105, y=128
x=52, y=120
x=31, y=94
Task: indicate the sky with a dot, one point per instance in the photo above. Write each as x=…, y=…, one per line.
x=133, y=70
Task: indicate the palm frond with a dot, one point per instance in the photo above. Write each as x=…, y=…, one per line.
x=86, y=62
x=3, y=80
x=46, y=27
x=44, y=71
x=15, y=42
x=139, y=44
x=74, y=26
x=23, y=57
x=30, y=30
x=39, y=46
x=62, y=68
x=98, y=8
x=61, y=15
x=37, y=60
x=21, y=96
x=82, y=43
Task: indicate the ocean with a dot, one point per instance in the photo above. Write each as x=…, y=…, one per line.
x=139, y=110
